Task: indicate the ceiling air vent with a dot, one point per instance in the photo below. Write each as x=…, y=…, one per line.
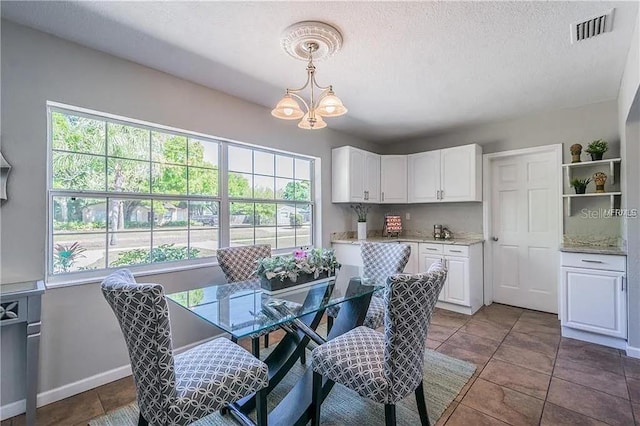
x=590, y=28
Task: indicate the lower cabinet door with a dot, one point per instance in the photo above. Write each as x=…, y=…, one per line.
x=595, y=301
x=425, y=262
x=457, y=284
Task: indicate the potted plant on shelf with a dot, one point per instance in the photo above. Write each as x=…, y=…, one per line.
x=597, y=148
x=576, y=150
x=600, y=179
x=301, y=267
x=580, y=185
x=361, y=210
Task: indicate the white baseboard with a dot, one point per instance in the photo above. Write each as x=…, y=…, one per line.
x=598, y=339
x=13, y=409
x=633, y=352
x=47, y=397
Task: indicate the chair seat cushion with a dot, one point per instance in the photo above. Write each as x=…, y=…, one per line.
x=355, y=360
x=211, y=376
x=375, y=313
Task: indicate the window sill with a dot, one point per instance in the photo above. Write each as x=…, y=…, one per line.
x=82, y=278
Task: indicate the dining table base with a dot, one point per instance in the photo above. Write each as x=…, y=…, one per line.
x=295, y=407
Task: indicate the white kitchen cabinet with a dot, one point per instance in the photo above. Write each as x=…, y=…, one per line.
x=463, y=289
x=393, y=179
x=355, y=176
x=423, y=174
x=348, y=253
x=594, y=299
x=446, y=175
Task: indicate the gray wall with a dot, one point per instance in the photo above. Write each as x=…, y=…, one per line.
x=629, y=124
x=566, y=126
x=80, y=337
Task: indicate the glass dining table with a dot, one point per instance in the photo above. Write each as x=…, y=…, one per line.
x=244, y=309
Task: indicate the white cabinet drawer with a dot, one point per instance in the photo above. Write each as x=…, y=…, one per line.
x=594, y=261
x=428, y=248
x=456, y=250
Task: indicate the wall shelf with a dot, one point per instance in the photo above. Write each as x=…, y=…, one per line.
x=610, y=162
x=612, y=197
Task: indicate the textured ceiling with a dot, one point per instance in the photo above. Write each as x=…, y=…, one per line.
x=406, y=68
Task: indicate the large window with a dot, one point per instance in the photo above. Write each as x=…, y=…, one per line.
x=124, y=194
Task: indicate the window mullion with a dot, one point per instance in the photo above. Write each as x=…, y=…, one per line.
x=225, y=207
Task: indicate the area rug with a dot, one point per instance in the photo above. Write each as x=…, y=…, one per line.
x=444, y=377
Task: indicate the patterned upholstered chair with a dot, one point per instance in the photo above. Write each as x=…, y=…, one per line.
x=178, y=390
x=384, y=367
x=239, y=264
x=380, y=261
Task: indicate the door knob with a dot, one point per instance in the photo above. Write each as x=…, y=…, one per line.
x=494, y=238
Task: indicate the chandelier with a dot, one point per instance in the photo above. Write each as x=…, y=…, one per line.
x=306, y=40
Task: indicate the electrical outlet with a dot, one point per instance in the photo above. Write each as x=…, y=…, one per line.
x=408, y=216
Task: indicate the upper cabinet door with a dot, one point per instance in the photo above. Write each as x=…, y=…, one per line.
x=393, y=179
x=424, y=177
x=356, y=175
x=371, y=177
x=461, y=173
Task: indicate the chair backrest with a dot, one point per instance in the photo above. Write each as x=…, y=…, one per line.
x=381, y=260
x=239, y=263
x=410, y=301
x=143, y=314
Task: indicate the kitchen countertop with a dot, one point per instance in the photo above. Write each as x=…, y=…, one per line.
x=409, y=239
x=568, y=248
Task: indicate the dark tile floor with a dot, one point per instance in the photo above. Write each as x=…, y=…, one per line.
x=527, y=375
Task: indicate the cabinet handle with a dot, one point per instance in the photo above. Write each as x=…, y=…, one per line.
x=437, y=194
x=366, y=195
x=442, y=194
x=592, y=261
x=383, y=196
x=622, y=284
x=432, y=249
x=455, y=251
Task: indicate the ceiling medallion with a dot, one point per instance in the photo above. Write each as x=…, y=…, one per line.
x=309, y=40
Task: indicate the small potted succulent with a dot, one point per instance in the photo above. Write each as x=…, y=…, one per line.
x=597, y=148
x=580, y=185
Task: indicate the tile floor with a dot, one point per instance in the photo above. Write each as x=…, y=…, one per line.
x=527, y=375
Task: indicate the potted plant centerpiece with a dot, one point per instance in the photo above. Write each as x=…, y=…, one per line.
x=361, y=210
x=597, y=148
x=301, y=267
x=580, y=185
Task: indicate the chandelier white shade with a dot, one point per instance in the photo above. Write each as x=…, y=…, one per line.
x=308, y=40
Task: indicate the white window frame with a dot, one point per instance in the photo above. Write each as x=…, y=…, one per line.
x=92, y=276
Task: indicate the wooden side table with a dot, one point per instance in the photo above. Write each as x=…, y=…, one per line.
x=21, y=302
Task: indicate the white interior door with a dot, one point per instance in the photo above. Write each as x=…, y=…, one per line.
x=524, y=219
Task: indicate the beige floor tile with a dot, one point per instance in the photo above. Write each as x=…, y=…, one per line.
x=467, y=416
x=579, y=345
x=478, y=359
x=590, y=402
x=504, y=404
x=525, y=358
x=541, y=318
x=554, y=415
x=70, y=411
x=634, y=389
x=631, y=367
x=447, y=414
x=467, y=386
x=6, y=422
x=480, y=345
x=486, y=329
x=531, y=328
x=518, y=378
x=449, y=318
x=116, y=394
x=500, y=317
x=636, y=412
x=593, y=358
x=595, y=378
x=544, y=343
x=433, y=344
x=440, y=332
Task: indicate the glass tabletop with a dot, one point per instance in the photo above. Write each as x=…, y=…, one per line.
x=244, y=308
